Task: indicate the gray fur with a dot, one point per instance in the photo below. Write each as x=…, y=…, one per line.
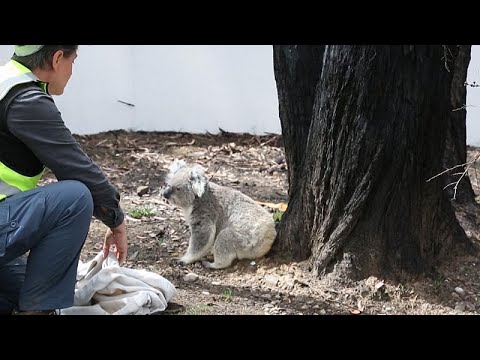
x=221, y=219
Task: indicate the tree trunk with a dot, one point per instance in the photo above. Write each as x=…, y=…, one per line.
x=297, y=70
x=296, y=93
x=361, y=204
x=457, y=59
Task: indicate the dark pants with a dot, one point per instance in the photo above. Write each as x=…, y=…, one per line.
x=11, y=280
x=51, y=223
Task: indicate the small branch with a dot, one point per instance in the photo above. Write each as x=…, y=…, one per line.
x=269, y=141
x=463, y=107
x=218, y=167
x=453, y=183
x=456, y=185
x=443, y=172
x=462, y=175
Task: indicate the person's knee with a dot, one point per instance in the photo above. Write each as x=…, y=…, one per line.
x=79, y=194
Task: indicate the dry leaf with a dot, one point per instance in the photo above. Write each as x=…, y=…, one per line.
x=279, y=206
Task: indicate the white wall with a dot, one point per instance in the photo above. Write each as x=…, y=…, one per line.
x=193, y=88
x=473, y=98
x=202, y=88
x=101, y=76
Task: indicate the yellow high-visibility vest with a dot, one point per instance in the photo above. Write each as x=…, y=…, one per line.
x=11, y=74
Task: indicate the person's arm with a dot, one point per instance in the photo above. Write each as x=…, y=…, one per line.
x=34, y=118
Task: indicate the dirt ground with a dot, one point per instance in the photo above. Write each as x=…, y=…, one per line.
x=136, y=162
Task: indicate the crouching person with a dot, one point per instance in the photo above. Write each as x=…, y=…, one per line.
x=43, y=229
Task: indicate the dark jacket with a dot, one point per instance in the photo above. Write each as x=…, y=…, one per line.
x=33, y=135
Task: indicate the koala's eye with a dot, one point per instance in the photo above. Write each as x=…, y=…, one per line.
x=177, y=188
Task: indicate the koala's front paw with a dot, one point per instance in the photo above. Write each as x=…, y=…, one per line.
x=180, y=262
x=184, y=260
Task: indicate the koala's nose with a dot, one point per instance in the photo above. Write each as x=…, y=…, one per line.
x=167, y=191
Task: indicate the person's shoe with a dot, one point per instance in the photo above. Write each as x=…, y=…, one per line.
x=36, y=312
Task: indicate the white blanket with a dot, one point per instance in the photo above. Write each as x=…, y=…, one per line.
x=105, y=288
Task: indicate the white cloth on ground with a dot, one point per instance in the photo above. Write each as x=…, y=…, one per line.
x=105, y=288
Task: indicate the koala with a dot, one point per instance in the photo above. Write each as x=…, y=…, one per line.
x=221, y=220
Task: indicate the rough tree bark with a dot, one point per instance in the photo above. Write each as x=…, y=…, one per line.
x=296, y=93
x=360, y=203
x=457, y=59
x=297, y=71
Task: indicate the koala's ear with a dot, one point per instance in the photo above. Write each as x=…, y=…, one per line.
x=174, y=167
x=199, y=181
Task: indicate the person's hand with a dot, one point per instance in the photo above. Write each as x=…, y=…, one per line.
x=116, y=236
